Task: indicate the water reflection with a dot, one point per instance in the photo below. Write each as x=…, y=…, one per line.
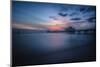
x=40, y=48
x=44, y=42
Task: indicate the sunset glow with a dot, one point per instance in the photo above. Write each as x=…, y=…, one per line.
x=56, y=25
x=55, y=28
x=52, y=17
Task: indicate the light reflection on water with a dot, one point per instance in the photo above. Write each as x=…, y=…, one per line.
x=44, y=48
x=45, y=42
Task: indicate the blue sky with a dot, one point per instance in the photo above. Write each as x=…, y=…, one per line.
x=43, y=13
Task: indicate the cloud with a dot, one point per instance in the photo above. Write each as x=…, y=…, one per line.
x=83, y=26
x=75, y=18
x=91, y=8
x=87, y=9
x=82, y=9
x=62, y=14
x=73, y=14
x=28, y=26
x=53, y=17
x=91, y=19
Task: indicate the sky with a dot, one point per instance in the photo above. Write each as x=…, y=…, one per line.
x=52, y=16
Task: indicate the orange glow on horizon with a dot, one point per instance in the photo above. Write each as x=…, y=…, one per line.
x=56, y=26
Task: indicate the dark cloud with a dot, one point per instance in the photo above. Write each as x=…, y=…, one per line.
x=75, y=18
x=91, y=9
x=62, y=14
x=91, y=19
x=88, y=9
x=82, y=9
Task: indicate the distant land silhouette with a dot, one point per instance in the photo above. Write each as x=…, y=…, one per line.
x=67, y=30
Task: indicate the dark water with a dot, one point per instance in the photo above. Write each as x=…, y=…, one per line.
x=50, y=48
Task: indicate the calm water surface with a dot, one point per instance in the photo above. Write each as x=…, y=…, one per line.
x=47, y=48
